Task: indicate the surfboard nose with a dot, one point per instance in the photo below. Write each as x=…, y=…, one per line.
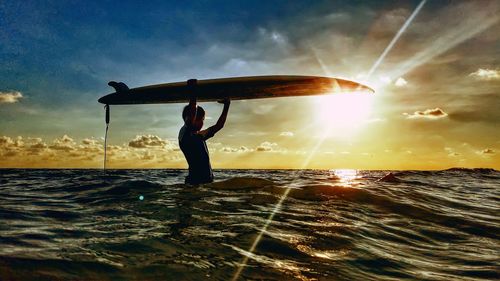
x=365, y=88
x=104, y=100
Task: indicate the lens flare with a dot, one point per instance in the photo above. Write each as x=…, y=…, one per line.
x=395, y=39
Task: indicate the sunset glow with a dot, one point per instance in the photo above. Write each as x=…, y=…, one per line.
x=434, y=68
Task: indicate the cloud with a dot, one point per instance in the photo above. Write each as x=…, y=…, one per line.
x=146, y=151
x=268, y=147
x=240, y=149
x=64, y=143
x=286, y=134
x=65, y=151
x=9, y=142
x=486, y=74
x=488, y=151
x=148, y=155
x=401, y=82
x=146, y=141
x=10, y=147
x=10, y=97
x=89, y=141
x=274, y=36
x=435, y=113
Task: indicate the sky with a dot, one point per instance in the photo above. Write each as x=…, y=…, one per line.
x=435, y=67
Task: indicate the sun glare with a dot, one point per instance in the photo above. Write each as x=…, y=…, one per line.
x=345, y=176
x=343, y=114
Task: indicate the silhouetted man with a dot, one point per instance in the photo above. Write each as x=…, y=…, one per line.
x=192, y=138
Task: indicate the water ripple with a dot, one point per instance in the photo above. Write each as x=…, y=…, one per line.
x=334, y=225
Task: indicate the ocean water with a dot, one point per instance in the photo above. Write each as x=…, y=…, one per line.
x=249, y=225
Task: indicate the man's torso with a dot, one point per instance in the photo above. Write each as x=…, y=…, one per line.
x=195, y=150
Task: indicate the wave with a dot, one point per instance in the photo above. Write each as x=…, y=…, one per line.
x=472, y=170
x=241, y=183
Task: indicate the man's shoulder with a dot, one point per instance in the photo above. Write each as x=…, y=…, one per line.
x=185, y=131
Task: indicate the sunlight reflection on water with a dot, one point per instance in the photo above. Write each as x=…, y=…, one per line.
x=346, y=176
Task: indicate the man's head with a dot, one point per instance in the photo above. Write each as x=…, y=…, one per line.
x=198, y=120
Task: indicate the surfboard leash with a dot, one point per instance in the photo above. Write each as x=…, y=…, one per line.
x=106, y=107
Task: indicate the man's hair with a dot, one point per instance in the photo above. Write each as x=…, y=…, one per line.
x=200, y=112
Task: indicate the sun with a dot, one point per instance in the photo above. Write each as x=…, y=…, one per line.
x=343, y=114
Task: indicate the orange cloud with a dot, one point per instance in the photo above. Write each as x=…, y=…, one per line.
x=146, y=141
x=67, y=152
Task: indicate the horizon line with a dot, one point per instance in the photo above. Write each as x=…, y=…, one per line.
x=253, y=169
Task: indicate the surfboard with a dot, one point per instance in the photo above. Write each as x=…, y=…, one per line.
x=235, y=88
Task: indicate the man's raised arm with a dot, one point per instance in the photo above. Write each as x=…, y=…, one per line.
x=222, y=119
x=189, y=119
x=210, y=132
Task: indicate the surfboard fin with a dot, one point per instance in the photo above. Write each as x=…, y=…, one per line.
x=120, y=87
